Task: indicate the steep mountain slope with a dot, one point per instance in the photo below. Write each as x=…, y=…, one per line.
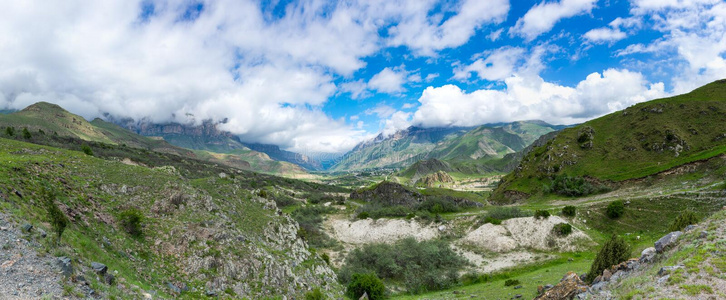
x=450, y=144
x=203, y=230
x=207, y=137
x=54, y=121
x=639, y=141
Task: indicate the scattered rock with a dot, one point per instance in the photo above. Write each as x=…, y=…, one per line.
x=42, y=232
x=364, y=297
x=606, y=275
x=663, y=243
x=568, y=288
x=517, y=296
x=703, y=235
x=647, y=255
x=517, y=287
x=65, y=264
x=109, y=279
x=667, y=270
x=99, y=268
x=210, y=293
x=174, y=289
x=27, y=227
x=689, y=228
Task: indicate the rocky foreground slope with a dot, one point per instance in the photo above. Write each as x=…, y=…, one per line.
x=200, y=235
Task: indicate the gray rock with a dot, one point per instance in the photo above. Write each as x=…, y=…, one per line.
x=99, y=268
x=597, y=287
x=109, y=279
x=27, y=227
x=65, y=264
x=364, y=296
x=668, y=240
x=703, y=235
x=517, y=296
x=549, y=286
x=663, y=279
x=517, y=287
x=210, y=293
x=175, y=289
x=647, y=255
x=689, y=228
x=43, y=234
x=668, y=270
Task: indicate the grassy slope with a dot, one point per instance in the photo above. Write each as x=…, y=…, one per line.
x=624, y=141
x=174, y=238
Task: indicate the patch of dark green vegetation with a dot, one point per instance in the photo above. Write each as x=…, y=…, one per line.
x=541, y=214
x=562, y=229
x=613, y=252
x=569, y=211
x=366, y=284
x=310, y=219
x=418, y=266
x=686, y=218
x=615, y=209
x=574, y=186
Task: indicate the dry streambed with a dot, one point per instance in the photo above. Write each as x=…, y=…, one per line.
x=488, y=248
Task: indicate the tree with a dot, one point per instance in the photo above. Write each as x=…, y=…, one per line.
x=10, y=131
x=569, y=211
x=613, y=252
x=56, y=217
x=616, y=209
x=26, y=133
x=684, y=219
x=541, y=214
x=130, y=221
x=87, y=149
x=367, y=283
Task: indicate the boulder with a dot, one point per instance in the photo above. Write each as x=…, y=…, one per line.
x=647, y=255
x=568, y=288
x=99, y=268
x=65, y=265
x=667, y=241
x=703, y=235
x=109, y=279
x=667, y=270
x=606, y=275
x=27, y=227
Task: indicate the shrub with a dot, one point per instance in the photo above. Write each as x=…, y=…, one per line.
x=10, y=131
x=363, y=215
x=310, y=219
x=56, y=217
x=26, y=133
x=615, y=209
x=541, y=214
x=569, y=211
x=684, y=219
x=562, y=229
x=502, y=213
x=326, y=258
x=130, y=221
x=367, y=283
x=420, y=266
x=262, y=193
x=438, y=205
x=511, y=282
x=491, y=220
x=573, y=186
x=613, y=252
x=315, y=294
x=87, y=149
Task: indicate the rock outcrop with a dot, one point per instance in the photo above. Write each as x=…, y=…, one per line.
x=569, y=287
x=435, y=179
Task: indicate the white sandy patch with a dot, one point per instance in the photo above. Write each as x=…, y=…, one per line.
x=492, y=238
x=380, y=231
x=524, y=233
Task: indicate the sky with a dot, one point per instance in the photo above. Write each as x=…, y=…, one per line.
x=315, y=76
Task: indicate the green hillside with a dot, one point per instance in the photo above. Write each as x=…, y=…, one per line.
x=464, y=146
x=48, y=123
x=642, y=140
x=201, y=233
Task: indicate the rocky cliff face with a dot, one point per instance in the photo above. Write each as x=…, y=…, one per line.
x=435, y=179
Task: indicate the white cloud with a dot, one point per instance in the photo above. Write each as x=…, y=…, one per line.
x=534, y=98
x=408, y=105
x=389, y=80
x=381, y=110
x=605, y=35
x=431, y=77
x=542, y=17
x=425, y=34
x=498, y=65
x=358, y=89
x=494, y=35
x=398, y=121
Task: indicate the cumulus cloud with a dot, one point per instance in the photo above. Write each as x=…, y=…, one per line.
x=389, y=80
x=498, y=65
x=534, y=98
x=542, y=17
x=605, y=35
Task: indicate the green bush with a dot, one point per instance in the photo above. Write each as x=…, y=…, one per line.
x=491, y=220
x=315, y=294
x=573, y=186
x=569, y=211
x=613, y=252
x=130, y=221
x=541, y=214
x=511, y=282
x=10, y=131
x=87, y=150
x=56, y=217
x=326, y=258
x=562, y=229
x=438, y=205
x=420, y=266
x=26, y=133
x=363, y=215
x=367, y=283
x=615, y=209
x=684, y=219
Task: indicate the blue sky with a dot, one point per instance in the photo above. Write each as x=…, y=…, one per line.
x=320, y=76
